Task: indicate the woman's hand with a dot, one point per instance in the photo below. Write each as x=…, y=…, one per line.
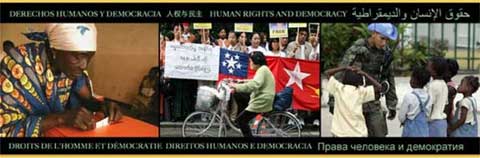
x=113, y=111
x=79, y=118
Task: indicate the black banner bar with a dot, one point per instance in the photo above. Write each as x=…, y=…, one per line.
x=240, y=146
x=240, y=12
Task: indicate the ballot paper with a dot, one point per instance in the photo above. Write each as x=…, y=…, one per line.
x=102, y=123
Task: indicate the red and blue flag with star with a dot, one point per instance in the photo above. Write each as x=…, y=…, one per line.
x=233, y=64
x=302, y=75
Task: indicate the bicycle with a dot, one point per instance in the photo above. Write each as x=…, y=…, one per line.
x=213, y=122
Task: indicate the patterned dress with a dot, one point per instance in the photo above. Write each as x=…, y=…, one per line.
x=30, y=90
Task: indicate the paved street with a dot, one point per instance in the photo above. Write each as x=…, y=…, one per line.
x=174, y=129
x=403, y=87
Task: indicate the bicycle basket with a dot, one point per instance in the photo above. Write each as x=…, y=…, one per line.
x=206, y=99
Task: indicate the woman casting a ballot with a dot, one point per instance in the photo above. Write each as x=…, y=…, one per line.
x=45, y=84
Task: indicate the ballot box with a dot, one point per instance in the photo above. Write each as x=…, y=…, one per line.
x=126, y=127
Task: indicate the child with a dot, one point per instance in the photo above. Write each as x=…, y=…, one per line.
x=464, y=123
x=412, y=113
x=348, y=120
x=438, y=90
x=452, y=70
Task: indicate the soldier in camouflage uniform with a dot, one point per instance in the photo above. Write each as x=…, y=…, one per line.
x=374, y=57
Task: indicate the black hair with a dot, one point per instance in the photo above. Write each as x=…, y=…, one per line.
x=439, y=65
x=253, y=34
x=248, y=37
x=304, y=29
x=258, y=58
x=421, y=76
x=273, y=40
x=223, y=28
x=452, y=69
x=472, y=82
x=236, y=35
x=262, y=35
x=352, y=78
x=170, y=35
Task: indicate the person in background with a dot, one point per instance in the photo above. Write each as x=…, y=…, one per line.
x=205, y=37
x=163, y=44
x=242, y=40
x=438, y=90
x=264, y=41
x=177, y=34
x=275, y=49
x=348, y=120
x=450, y=72
x=315, y=54
x=262, y=89
x=283, y=44
x=222, y=41
x=412, y=113
x=299, y=49
x=465, y=121
x=187, y=36
x=46, y=85
x=255, y=41
x=234, y=45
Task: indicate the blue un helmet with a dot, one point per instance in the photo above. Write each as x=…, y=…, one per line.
x=385, y=29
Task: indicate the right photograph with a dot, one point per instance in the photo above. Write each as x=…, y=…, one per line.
x=399, y=79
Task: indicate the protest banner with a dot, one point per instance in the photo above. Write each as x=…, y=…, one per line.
x=191, y=61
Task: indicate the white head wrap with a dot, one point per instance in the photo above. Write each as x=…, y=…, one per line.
x=72, y=36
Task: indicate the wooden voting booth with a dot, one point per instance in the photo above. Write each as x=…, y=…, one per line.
x=126, y=127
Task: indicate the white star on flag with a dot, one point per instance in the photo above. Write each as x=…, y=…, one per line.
x=227, y=55
x=230, y=71
x=237, y=57
x=231, y=63
x=296, y=76
x=224, y=63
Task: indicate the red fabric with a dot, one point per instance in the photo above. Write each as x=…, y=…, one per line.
x=127, y=127
x=307, y=98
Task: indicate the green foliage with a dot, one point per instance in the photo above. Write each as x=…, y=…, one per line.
x=408, y=57
x=336, y=38
x=440, y=48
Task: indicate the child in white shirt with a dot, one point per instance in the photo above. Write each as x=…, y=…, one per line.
x=465, y=122
x=348, y=120
x=412, y=113
x=438, y=90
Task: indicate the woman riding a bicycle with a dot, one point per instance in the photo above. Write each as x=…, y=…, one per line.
x=262, y=89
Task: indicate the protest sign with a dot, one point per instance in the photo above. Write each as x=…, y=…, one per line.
x=243, y=27
x=278, y=30
x=191, y=61
x=198, y=26
x=297, y=25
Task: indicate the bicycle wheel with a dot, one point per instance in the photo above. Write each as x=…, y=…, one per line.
x=279, y=124
x=202, y=124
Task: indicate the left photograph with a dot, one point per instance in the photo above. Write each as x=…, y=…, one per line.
x=79, y=80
